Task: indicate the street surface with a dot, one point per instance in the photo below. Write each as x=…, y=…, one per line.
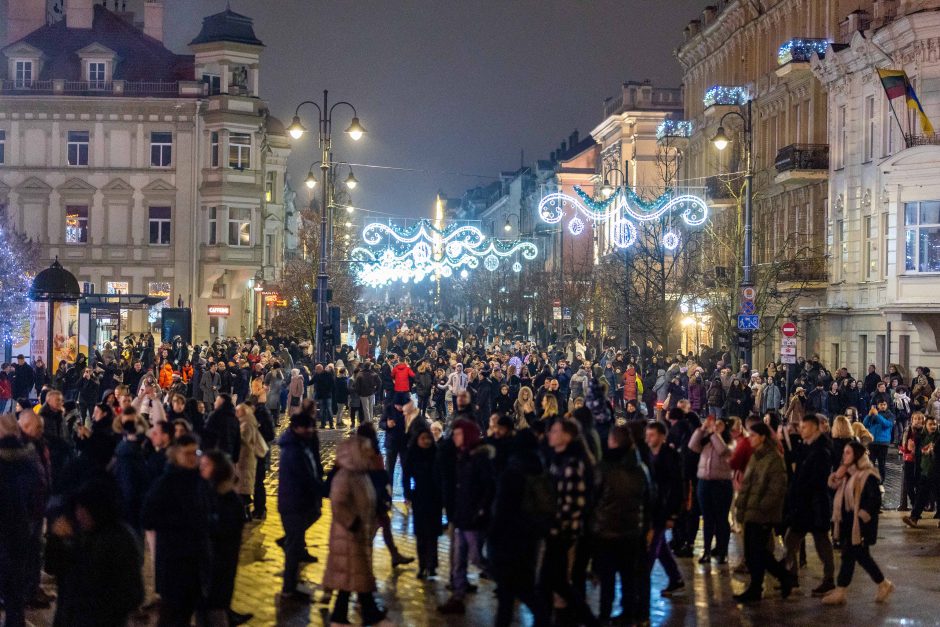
x=910, y=558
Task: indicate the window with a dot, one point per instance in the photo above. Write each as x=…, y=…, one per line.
x=922, y=236
x=869, y=249
x=161, y=149
x=3, y=145
x=239, y=151
x=24, y=73
x=239, y=227
x=214, y=81
x=214, y=149
x=78, y=148
x=869, y=128
x=797, y=122
x=213, y=238
x=269, y=249
x=76, y=224
x=269, y=184
x=96, y=74
x=118, y=287
x=160, y=226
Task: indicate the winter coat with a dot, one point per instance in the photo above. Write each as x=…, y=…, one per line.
x=300, y=475
x=130, y=471
x=21, y=497
x=252, y=447
x=809, y=505
x=295, y=391
x=471, y=488
x=714, y=456
x=503, y=405
x=578, y=384
x=341, y=391
x=209, y=384
x=630, y=385
x=166, y=377
x=715, y=395
x=697, y=396
x=225, y=537
x=98, y=576
x=402, y=374
x=423, y=489
x=796, y=409
x=763, y=488
x=770, y=397
x=367, y=383
x=572, y=476
x=221, y=431
x=880, y=426
x=513, y=544
x=622, y=496
x=177, y=508
x=353, y=524
x=856, y=492
x=424, y=384
x=666, y=471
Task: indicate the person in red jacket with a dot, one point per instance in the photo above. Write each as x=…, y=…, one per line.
x=402, y=376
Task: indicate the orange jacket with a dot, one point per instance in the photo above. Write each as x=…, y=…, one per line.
x=166, y=376
x=186, y=372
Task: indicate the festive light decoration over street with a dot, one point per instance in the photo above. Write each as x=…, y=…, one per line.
x=621, y=207
x=422, y=251
x=725, y=95
x=671, y=240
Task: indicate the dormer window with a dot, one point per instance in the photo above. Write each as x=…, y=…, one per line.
x=97, y=74
x=23, y=73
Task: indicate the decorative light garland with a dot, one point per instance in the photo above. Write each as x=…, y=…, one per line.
x=674, y=128
x=801, y=50
x=576, y=226
x=671, y=240
x=725, y=95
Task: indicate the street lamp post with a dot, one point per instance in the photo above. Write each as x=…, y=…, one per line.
x=296, y=130
x=607, y=190
x=721, y=141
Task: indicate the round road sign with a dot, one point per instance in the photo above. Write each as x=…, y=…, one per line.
x=788, y=329
x=748, y=293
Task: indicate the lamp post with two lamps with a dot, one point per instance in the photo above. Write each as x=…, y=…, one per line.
x=607, y=190
x=325, y=126
x=721, y=141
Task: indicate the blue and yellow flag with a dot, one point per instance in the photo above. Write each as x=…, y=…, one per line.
x=896, y=84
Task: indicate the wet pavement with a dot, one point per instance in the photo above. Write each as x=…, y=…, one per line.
x=909, y=557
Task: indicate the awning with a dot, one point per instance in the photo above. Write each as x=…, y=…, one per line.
x=110, y=303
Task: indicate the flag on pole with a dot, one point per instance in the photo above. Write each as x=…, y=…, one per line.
x=896, y=84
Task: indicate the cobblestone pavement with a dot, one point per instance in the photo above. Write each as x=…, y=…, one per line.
x=911, y=558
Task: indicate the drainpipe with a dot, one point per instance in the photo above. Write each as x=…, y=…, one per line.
x=197, y=208
x=884, y=368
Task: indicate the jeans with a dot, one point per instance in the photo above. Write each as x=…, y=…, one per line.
x=466, y=549
x=369, y=610
x=353, y=412
x=758, y=557
x=926, y=493
x=659, y=549
x=823, y=545
x=368, y=402
x=879, y=457
x=326, y=412
x=626, y=557
x=861, y=554
x=423, y=402
x=714, y=497
x=909, y=485
x=717, y=412
x=295, y=527
x=393, y=452
x=261, y=496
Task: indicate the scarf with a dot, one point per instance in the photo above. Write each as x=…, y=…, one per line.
x=849, y=493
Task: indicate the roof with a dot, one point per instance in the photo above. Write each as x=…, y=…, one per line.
x=577, y=149
x=139, y=56
x=55, y=283
x=227, y=26
x=274, y=126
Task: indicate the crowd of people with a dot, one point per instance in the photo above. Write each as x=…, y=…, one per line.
x=547, y=466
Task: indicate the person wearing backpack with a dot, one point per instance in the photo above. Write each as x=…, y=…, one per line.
x=619, y=525
x=523, y=511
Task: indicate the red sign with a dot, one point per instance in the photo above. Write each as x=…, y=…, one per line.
x=788, y=329
x=219, y=310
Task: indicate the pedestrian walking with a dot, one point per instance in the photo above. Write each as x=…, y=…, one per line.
x=423, y=494
x=714, y=492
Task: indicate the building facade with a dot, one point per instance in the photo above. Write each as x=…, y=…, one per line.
x=884, y=197
x=143, y=171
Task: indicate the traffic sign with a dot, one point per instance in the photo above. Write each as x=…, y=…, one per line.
x=748, y=293
x=788, y=341
x=556, y=313
x=567, y=313
x=788, y=350
x=748, y=307
x=748, y=322
x=787, y=359
x=788, y=329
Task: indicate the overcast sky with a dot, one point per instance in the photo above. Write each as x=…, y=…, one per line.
x=449, y=85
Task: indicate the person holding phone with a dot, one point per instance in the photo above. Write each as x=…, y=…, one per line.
x=714, y=491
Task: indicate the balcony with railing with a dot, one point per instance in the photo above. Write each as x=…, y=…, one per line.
x=718, y=190
x=725, y=96
x=796, y=54
x=803, y=273
x=132, y=89
x=802, y=163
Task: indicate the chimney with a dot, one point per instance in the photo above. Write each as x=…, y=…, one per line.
x=79, y=13
x=23, y=17
x=153, y=19
x=573, y=139
x=709, y=14
x=563, y=149
x=857, y=20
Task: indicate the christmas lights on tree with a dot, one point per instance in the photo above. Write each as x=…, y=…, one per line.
x=17, y=269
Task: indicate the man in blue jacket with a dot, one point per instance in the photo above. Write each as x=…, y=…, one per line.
x=880, y=422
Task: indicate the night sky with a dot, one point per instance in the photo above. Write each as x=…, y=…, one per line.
x=449, y=85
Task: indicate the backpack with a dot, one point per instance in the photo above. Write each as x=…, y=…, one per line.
x=539, y=501
x=639, y=386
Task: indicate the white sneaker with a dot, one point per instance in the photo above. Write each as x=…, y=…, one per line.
x=885, y=588
x=836, y=597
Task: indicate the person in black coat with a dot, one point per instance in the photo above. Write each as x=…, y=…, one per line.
x=666, y=470
x=225, y=537
x=503, y=404
x=809, y=505
x=130, y=470
x=300, y=492
x=423, y=491
x=514, y=536
x=266, y=427
x=221, y=430
x=393, y=423
x=177, y=508
x=96, y=559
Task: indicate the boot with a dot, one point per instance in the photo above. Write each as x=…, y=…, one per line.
x=885, y=588
x=836, y=597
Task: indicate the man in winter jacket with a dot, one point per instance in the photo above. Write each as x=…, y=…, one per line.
x=809, y=506
x=468, y=494
x=402, y=376
x=323, y=383
x=299, y=495
x=396, y=442
x=880, y=422
x=365, y=385
x=666, y=471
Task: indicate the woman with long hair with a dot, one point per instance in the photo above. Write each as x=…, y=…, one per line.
x=855, y=511
x=524, y=408
x=714, y=492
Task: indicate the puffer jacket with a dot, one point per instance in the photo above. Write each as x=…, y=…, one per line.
x=714, y=455
x=622, y=490
x=763, y=488
x=880, y=426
